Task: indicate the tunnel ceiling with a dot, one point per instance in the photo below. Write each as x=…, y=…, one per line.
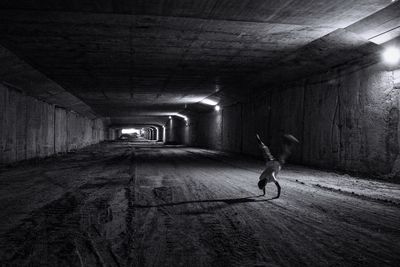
x=139, y=60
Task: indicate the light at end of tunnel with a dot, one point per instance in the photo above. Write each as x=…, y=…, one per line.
x=130, y=131
x=391, y=55
x=209, y=102
x=217, y=108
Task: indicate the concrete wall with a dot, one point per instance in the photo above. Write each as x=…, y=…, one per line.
x=177, y=131
x=112, y=134
x=206, y=130
x=31, y=128
x=347, y=119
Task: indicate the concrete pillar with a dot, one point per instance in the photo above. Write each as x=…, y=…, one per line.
x=150, y=134
x=157, y=133
x=118, y=133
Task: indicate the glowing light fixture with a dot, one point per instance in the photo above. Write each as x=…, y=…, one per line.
x=217, y=108
x=209, y=102
x=170, y=117
x=391, y=55
x=182, y=116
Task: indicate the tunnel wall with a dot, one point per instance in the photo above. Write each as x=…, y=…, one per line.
x=177, y=131
x=112, y=135
x=31, y=128
x=347, y=119
x=206, y=130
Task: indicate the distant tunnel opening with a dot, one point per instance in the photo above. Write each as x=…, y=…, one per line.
x=152, y=133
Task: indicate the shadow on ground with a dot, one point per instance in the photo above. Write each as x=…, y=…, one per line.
x=229, y=201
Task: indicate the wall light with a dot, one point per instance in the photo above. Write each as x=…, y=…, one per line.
x=182, y=116
x=391, y=55
x=217, y=108
x=209, y=102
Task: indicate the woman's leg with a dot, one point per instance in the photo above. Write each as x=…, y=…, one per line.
x=279, y=189
x=266, y=153
x=277, y=185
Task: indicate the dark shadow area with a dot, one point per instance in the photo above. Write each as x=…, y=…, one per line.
x=229, y=201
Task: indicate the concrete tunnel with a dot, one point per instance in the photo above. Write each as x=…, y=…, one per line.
x=128, y=133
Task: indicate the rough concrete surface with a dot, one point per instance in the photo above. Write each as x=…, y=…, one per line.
x=18, y=74
x=120, y=204
x=177, y=131
x=147, y=58
x=212, y=137
x=31, y=128
x=346, y=119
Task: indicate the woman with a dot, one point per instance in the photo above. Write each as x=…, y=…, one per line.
x=273, y=166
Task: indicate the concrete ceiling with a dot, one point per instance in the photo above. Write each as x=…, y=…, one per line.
x=18, y=75
x=148, y=58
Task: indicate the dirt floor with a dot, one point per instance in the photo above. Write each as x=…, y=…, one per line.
x=117, y=204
